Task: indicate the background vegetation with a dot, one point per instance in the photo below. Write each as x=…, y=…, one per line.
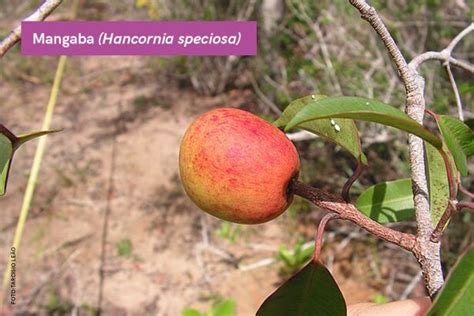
x=137, y=104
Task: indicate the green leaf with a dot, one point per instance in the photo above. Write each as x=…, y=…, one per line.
x=225, y=308
x=30, y=136
x=459, y=139
x=190, y=312
x=7, y=149
x=362, y=109
x=6, y=153
x=388, y=202
x=347, y=136
x=469, y=122
x=438, y=184
x=310, y=292
x=457, y=295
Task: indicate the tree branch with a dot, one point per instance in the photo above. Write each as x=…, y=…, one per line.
x=39, y=15
x=428, y=255
x=426, y=56
x=445, y=56
x=447, y=59
x=459, y=37
x=348, y=211
x=454, y=86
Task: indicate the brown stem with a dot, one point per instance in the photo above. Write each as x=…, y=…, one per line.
x=351, y=180
x=5, y=131
x=318, y=240
x=438, y=231
x=452, y=209
x=465, y=204
x=465, y=191
x=349, y=212
x=449, y=173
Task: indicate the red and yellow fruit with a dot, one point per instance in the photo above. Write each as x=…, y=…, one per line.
x=236, y=166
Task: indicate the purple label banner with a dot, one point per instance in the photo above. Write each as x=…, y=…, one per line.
x=160, y=38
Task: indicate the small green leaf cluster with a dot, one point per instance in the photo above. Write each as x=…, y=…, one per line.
x=124, y=248
x=294, y=259
x=219, y=307
x=229, y=231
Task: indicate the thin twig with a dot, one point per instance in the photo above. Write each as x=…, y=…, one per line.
x=445, y=54
x=411, y=286
x=263, y=97
x=454, y=86
x=54, y=274
x=422, y=58
x=438, y=231
x=465, y=204
x=459, y=37
x=347, y=186
x=39, y=15
x=453, y=208
x=318, y=240
x=465, y=191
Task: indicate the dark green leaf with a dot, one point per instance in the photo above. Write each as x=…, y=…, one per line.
x=438, y=184
x=225, y=308
x=310, y=292
x=459, y=139
x=30, y=136
x=346, y=135
x=362, y=109
x=6, y=152
x=388, y=202
x=457, y=295
x=469, y=122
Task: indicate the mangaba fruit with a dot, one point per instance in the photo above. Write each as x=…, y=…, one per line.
x=238, y=167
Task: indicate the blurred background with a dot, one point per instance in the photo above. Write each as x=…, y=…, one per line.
x=111, y=230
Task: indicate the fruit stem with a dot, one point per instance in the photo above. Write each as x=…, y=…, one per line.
x=348, y=211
